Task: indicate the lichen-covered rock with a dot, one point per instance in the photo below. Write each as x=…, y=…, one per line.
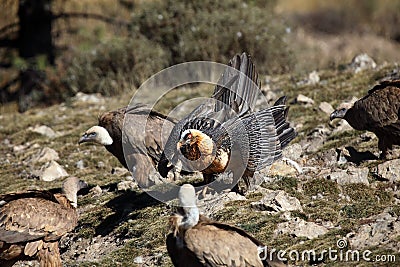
x=300, y=228
x=352, y=175
x=275, y=201
x=389, y=170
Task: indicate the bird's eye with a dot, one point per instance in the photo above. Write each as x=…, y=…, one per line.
x=188, y=136
x=92, y=134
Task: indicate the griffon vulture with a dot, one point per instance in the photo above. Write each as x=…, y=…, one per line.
x=32, y=223
x=207, y=135
x=377, y=112
x=142, y=152
x=197, y=241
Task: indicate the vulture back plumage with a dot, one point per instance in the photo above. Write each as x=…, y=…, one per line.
x=137, y=152
x=378, y=112
x=31, y=224
x=204, y=242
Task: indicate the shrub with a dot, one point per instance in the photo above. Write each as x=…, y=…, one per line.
x=211, y=30
x=116, y=65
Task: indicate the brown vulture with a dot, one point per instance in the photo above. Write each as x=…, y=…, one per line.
x=196, y=241
x=142, y=152
x=32, y=223
x=377, y=112
x=227, y=132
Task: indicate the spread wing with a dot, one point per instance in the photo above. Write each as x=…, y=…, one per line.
x=236, y=97
x=28, y=219
x=240, y=89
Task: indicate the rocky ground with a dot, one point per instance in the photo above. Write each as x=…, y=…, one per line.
x=329, y=192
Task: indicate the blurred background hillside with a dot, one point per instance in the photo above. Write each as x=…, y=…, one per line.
x=52, y=49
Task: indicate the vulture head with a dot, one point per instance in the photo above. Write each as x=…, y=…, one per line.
x=188, y=215
x=338, y=114
x=96, y=134
x=70, y=189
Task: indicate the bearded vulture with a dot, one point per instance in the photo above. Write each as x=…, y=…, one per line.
x=142, y=152
x=197, y=241
x=226, y=132
x=32, y=223
x=377, y=112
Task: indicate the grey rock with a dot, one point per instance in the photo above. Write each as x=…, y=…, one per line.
x=51, y=171
x=127, y=185
x=389, y=170
x=340, y=126
x=213, y=202
x=293, y=151
x=313, y=78
x=101, y=165
x=46, y=154
x=89, y=98
x=275, y=201
x=302, y=99
x=300, y=228
x=282, y=168
x=380, y=230
x=19, y=148
x=44, y=130
x=352, y=175
x=96, y=190
x=362, y=62
x=316, y=138
x=326, y=107
x=80, y=164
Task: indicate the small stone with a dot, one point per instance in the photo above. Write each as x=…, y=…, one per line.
x=302, y=99
x=126, y=185
x=352, y=175
x=80, y=164
x=362, y=62
x=100, y=165
x=44, y=130
x=381, y=230
x=282, y=168
x=326, y=108
x=389, y=170
x=96, y=190
x=89, y=98
x=293, y=151
x=138, y=260
x=18, y=148
x=300, y=228
x=46, y=154
x=52, y=171
x=211, y=203
x=276, y=201
x=313, y=78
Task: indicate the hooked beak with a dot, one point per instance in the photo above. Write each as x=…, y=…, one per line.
x=85, y=138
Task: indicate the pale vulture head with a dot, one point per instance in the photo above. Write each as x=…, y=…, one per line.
x=187, y=200
x=96, y=134
x=70, y=189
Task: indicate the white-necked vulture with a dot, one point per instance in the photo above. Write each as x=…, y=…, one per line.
x=143, y=151
x=377, y=112
x=206, y=136
x=198, y=241
x=32, y=223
